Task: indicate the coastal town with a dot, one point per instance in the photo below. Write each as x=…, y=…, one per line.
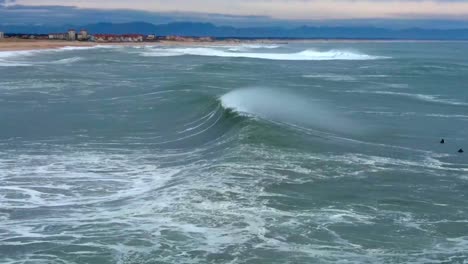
x=84, y=36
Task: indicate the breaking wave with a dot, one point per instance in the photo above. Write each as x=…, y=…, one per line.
x=306, y=55
x=286, y=108
x=6, y=55
x=247, y=47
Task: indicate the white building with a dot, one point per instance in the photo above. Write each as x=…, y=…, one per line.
x=2, y=35
x=72, y=35
x=58, y=36
x=83, y=35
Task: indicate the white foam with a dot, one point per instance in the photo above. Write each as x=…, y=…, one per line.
x=13, y=64
x=306, y=55
x=247, y=47
x=71, y=48
x=209, y=207
x=25, y=53
x=7, y=56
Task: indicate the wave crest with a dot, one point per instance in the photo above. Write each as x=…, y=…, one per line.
x=306, y=55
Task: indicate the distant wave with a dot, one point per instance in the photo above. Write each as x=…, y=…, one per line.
x=421, y=97
x=299, y=56
x=24, y=53
x=246, y=47
x=10, y=58
x=68, y=48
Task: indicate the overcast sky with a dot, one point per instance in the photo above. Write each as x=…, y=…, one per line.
x=238, y=12
x=283, y=9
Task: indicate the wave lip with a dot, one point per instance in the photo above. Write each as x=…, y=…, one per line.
x=306, y=55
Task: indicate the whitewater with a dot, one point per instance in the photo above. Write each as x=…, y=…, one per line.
x=250, y=153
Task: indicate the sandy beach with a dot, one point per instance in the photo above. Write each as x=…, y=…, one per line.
x=26, y=44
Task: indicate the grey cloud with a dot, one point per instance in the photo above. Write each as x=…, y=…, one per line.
x=66, y=15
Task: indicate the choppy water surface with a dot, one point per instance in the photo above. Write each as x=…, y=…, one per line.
x=290, y=153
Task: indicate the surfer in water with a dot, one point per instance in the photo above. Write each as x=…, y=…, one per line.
x=461, y=151
x=442, y=141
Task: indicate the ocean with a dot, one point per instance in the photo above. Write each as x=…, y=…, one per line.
x=250, y=153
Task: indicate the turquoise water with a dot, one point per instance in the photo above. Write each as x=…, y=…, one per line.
x=290, y=153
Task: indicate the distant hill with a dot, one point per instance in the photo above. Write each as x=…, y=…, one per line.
x=208, y=29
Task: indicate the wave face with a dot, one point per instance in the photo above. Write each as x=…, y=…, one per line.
x=306, y=55
x=287, y=108
x=107, y=156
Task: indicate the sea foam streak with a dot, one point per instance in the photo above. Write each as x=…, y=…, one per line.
x=305, y=55
x=420, y=97
x=68, y=60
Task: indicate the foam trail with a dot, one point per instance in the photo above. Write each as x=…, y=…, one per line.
x=420, y=97
x=331, y=77
x=286, y=108
x=68, y=60
x=306, y=55
x=13, y=64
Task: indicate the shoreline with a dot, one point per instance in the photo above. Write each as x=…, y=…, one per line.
x=26, y=44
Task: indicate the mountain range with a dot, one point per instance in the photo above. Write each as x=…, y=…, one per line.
x=208, y=29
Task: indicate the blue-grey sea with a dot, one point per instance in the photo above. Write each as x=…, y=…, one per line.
x=248, y=153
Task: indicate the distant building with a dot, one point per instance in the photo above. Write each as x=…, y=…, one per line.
x=2, y=35
x=151, y=37
x=83, y=35
x=118, y=38
x=72, y=35
x=206, y=39
x=58, y=36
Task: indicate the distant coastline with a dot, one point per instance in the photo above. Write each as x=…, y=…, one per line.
x=196, y=29
x=32, y=44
